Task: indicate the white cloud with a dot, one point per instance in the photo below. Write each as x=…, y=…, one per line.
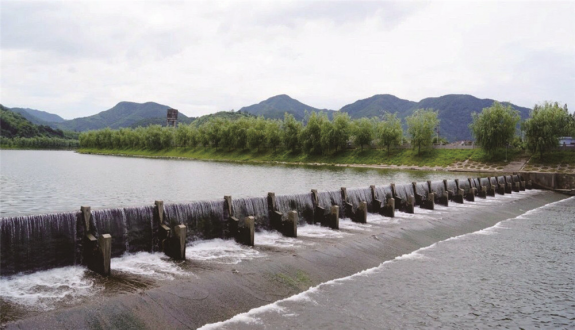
x=79, y=58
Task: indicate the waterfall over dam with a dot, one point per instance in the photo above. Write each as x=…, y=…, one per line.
x=39, y=242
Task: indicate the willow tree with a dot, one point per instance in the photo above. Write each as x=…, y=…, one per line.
x=546, y=124
x=389, y=131
x=421, y=127
x=363, y=131
x=494, y=127
x=291, y=132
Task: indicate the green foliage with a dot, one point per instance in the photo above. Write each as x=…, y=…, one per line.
x=494, y=127
x=291, y=132
x=389, y=131
x=17, y=132
x=546, y=124
x=421, y=127
x=364, y=131
x=310, y=136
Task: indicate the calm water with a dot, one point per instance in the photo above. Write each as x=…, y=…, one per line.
x=38, y=182
x=519, y=274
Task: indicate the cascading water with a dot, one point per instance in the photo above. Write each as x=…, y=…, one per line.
x=256, y=207
x=327, y=199
x=464, y=184
x=451, y=185
x=302, y=203
x=204, y=219
x=438, y=188
x=37, y=242
x=358, y=195
x=421, y=188
x=131, y=228
x=404, y=190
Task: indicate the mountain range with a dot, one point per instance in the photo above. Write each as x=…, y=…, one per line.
x=454, y=112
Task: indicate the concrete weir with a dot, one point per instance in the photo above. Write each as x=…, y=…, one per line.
x=217, y=292
x=102, y=235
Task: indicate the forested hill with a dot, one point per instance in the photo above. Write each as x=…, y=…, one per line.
x=123, y=114
x=38, y=117
x=14, y=125
x=276, y=106
x=454, y=111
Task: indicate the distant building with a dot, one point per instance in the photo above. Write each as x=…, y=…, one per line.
x=566, y=141
x=172, y=117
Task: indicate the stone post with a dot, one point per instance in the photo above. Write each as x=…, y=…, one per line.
x=274, y=216
x=410, y=206
x=104, y=256
x=418, y=198
x=389, y=208
x=470, y=196
x=334, y=217
x=318, y=211
x=246, y=230
x=290, y=225
x=458, y=194
x=361, y=213
x=490, y=188
x=177, y=246
x=376, y=203
x=164, y=232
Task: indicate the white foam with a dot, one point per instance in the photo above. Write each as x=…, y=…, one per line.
x=45, y=290
x=346, y=223
x=156, y=265
x=220, y=251
x=317, y=231
x=275, y=239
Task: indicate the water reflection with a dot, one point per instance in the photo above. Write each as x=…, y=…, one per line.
x=34, y=182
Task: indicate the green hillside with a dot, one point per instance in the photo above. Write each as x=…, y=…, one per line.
x=123, y=114
x=14, y=125
x=454, y=111
x=376, y=105
x=276, y=106
x=38, y=117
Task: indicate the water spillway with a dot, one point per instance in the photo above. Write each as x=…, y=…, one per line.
x=32, y=243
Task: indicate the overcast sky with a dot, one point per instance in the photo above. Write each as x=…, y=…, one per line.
x=77, y=58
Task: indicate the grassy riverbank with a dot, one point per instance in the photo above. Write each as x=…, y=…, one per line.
x=406, y=157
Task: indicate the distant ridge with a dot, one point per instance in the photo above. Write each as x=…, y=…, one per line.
x=454, y=112
x=276, y=106
x=38, y=117
x=123, y=114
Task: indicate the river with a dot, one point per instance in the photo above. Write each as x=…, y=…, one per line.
x=517, y=273
x=40, y=182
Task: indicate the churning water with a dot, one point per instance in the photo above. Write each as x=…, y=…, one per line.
x=519, y=273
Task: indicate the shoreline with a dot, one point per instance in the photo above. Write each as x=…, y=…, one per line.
x=218, y=292
x=272, y=162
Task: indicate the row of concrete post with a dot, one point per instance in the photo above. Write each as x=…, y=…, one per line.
x=171, y=237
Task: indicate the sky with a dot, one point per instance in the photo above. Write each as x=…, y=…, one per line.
x=77, y=58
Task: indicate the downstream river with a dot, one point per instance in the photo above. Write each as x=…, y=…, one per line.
x=40, y=182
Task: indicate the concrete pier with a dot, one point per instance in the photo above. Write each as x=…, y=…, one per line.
x=332, y=220
x=388, y=210
x=361, y=213
x=418, y=198
x=96, y=252
x=375, y=202
x=171, y=237
x=410, y=205
x=470, y=196
x=246, y=230
x=458, y=195
x=490, y=188
x=290, y=225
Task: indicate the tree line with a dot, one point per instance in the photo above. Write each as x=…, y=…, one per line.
x=317, y=134
x=496, y=127
x=38, y=142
